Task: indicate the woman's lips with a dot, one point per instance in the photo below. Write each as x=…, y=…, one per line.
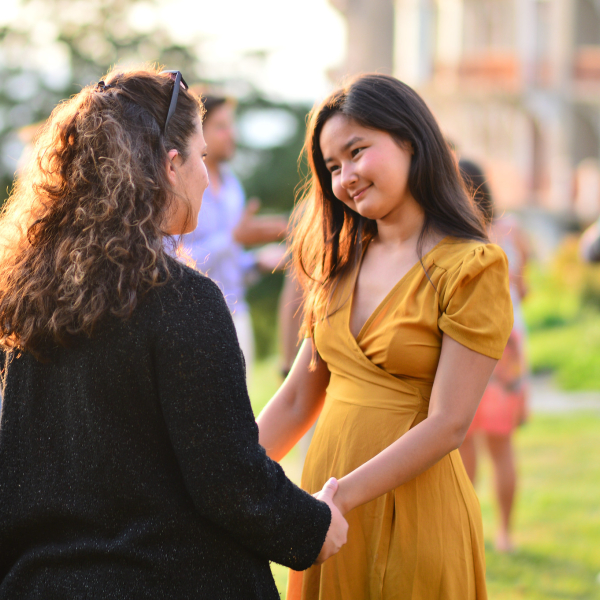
x=360, y=193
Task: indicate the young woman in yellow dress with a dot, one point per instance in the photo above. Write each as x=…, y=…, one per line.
x=407, y=310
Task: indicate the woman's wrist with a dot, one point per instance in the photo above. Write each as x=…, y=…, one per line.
x=343, y=497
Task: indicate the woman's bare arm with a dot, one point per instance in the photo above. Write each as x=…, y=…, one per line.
x=253, y=229
x=295, y=406
x=460, y=381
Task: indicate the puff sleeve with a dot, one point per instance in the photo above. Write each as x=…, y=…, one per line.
x=475, y=305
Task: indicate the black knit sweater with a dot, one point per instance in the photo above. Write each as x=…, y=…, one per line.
x=130, y=465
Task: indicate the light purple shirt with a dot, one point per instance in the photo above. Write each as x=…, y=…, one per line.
x=212, y=246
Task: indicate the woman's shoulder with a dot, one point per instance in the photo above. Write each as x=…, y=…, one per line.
x=474, y=296
x=185, y=278
x=185, y=292
x=452, y=253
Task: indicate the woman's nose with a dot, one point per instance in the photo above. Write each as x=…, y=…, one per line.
x=348, y=177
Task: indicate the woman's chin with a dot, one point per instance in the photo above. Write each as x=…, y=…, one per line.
x=191, y=226
x=368, y=212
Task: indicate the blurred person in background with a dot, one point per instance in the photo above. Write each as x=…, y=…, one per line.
x=290, y=320
x=589, y=245
x=503, y=405
x=130, y=465
x=228, y=224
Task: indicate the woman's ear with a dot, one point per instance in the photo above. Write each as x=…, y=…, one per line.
x=171, y=166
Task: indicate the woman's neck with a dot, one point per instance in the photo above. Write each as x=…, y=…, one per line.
x=402, y=226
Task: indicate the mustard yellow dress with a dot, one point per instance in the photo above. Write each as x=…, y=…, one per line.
x=423, y=540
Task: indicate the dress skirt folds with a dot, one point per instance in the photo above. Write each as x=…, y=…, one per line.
x=423, y=540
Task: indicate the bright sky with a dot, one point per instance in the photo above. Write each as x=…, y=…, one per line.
x=285, y=47
x=298, y=40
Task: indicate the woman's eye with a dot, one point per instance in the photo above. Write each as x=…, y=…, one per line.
x=355, y=151
x=333, y=169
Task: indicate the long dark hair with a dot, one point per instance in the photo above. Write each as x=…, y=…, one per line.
x=328, y=237
x=476, y=183
x=81, y=235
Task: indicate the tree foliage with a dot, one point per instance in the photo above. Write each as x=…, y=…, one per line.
x=275, y=174
x=52, y=48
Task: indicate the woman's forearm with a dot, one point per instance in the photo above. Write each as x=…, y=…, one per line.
x=295, y=407
x=281, y=424
x=260, y=230
x=409, y=456
x=460, y=381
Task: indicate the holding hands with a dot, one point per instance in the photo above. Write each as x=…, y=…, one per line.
x=337, y=534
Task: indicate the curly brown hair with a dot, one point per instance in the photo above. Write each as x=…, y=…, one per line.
x=82, y=233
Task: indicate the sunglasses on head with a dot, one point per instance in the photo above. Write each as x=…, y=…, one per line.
x=177, y=77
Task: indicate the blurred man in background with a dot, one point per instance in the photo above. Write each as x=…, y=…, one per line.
x=226, y=224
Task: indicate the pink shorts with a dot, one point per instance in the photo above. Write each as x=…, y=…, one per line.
x=500, y=411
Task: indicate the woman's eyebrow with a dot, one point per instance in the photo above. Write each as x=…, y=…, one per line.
x=347, y=145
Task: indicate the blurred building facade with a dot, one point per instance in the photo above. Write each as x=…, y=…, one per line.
x=515, y=85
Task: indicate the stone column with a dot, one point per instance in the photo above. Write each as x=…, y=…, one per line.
x=370, y=45
x=415, y=43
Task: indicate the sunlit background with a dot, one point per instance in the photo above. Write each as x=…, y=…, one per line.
x=515, y=85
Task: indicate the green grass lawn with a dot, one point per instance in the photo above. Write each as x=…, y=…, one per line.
x=557, y=516
x=562, y=312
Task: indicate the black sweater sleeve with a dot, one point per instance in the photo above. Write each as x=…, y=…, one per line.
x=232, y=482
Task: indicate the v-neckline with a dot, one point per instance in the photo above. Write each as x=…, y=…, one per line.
x=383, y=302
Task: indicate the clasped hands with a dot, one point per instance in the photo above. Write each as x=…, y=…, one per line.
x=337, y=533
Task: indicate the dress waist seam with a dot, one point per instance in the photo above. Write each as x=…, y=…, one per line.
x=420, y=408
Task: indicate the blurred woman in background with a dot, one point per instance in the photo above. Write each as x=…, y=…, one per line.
x=503, y=405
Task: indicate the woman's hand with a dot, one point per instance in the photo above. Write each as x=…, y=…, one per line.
x=253, y=229
x=338, y=529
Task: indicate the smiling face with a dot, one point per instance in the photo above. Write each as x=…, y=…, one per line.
x=189, y=180
x=369, y=169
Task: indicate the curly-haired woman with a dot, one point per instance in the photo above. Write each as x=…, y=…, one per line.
x=129, y=457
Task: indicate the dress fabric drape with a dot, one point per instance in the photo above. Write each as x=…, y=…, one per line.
x=424, y=539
